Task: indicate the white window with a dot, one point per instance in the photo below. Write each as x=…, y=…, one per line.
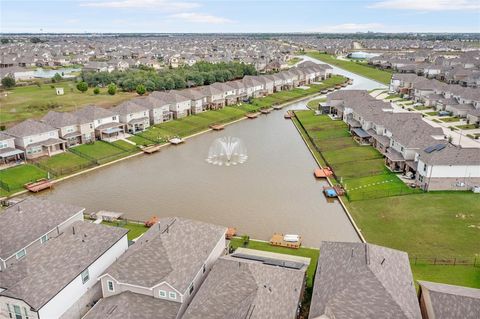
x=3, y=145
x=110, y=285
x=85, y=276
x=172, y=295
x=21, y=254
x=44, y=238
x=162, y=293
x=18, y=314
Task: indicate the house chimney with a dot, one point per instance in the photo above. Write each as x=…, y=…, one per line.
x=382, y=261
x=73, y=228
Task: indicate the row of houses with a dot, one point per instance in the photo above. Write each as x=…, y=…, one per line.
x=57, y=131
x=409, y=144
x=61, y=266
x=463, y=102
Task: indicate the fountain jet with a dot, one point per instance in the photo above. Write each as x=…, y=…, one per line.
x=227, y=151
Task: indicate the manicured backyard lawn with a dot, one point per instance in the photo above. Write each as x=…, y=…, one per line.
x=100, y=151
x=432, y=113
x=360, y=69
x=313, y=104
x=34, y=102
x=14, y=178
x=466, y=126
x=304, y=252
x=64, y=163
x=294, y=61
x=135, y=229
x=467, y=276
x=449, y=119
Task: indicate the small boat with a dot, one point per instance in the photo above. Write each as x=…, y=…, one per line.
x=231, y=231
x=330, y=192
x=324, y=91
x=152, y=221
x=176, y=140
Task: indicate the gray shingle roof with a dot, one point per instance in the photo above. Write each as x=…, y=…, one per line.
x=45, y=271
x=256, y=287
x=357, y=280
x=29, y=220
x=450, y=155
x=92, y=113
x=61, y=119
x=4, y=137
x=129, y=305
x=450, y=301
x=160, y=255
x=29, y=127
x=128, y=107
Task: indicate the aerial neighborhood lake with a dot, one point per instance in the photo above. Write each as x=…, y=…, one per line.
x=274, y=191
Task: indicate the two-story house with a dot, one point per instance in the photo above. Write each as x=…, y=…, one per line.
x=36, y=138
x=136, y=117
x=164, y=269
x=9, y=154
x=158, y=108
x=72, y=128
x=106, y=123
x=197, y=98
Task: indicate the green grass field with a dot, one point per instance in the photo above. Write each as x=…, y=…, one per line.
x=304, y=252
x=313, y=104
x=14, y=178
x=135, y=230
x=33, y=102
x=361, y=169
x=357, y=68
x=100, y=151
x=64, y=163
x=467, y=276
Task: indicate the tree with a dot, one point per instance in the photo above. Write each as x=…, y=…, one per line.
x=112, y=89
x=56, y=78
x=8, y=82
x=96, y=91
x=140, y=89
x=82, y=86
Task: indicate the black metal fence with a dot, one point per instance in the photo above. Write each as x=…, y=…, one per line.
x=446, y=261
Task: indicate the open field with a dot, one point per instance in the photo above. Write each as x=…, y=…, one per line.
x=358, y=68
x=33, y=102
x=360, y=169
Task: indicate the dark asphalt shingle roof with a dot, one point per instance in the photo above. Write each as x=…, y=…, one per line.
x=159, y=255
x=239, y=288
x=358, y=280
x=450, y=301
x=28, y=220
x=45, y=271
x=29, y=127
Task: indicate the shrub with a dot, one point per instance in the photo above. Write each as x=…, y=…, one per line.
x=82, y=87
x=140, y=89
x=245, y=240
x=8, y=82
x=96, y=91
x=112, y=89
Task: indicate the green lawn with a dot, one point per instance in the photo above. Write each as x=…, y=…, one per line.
x=449, y=119
x=434, y=113
x=33, y=102
x=361, y=169
x=14, y=178
x=467, y=276
x=304, y=252
x=434, y=224
x=100, y=151
x=358, y=68
x=313, y=104
x=64, y=163
x=135, y=229
x=293, y=61
x=466, y=126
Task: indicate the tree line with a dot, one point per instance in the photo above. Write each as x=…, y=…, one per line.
x=201, y=73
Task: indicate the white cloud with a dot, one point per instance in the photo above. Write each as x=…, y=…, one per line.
x=427, y=5
x=349, y=27
x=200, y=18
x=163, y=5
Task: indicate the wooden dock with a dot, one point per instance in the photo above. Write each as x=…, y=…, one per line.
x=176, y=140
x=278, y=240
x=231, y=231
x=266, y=111
x=288, y=115
x=322, y=172
x=39, y=185
x=277, y=107
x=252, y=115
x=149, y=149
x=217, y=127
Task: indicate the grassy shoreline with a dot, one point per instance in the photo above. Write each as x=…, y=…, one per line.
x=425, y=225
x=357, y=68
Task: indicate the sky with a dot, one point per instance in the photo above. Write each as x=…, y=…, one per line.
x=238, y=16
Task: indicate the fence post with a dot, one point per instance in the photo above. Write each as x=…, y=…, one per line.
x=475, y=262
x=454, y=261
x=435, y=261
x=415, y=260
